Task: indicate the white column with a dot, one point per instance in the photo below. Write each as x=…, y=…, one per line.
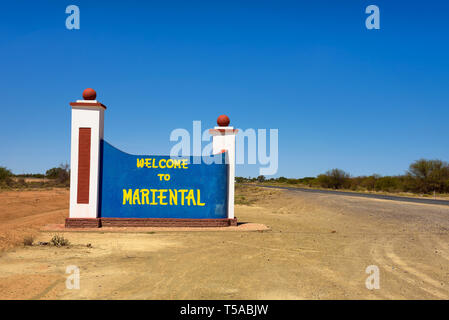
x=223, y=138
x=86, y=114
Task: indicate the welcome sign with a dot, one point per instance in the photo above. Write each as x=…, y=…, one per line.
x=135, y=186
x=109, y=187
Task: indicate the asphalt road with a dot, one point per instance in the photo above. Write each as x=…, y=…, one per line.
x=363, y=195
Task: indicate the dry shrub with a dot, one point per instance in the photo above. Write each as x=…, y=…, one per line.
x=59, y=241
x=28, y=240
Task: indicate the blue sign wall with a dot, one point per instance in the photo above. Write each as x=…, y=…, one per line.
x=135, y=186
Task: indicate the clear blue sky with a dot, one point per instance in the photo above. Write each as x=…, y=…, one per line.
x=366, y=101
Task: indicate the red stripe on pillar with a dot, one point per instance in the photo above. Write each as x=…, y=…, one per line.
x=83, y=165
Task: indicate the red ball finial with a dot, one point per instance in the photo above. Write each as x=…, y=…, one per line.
x=89, y=94
x=223, y=121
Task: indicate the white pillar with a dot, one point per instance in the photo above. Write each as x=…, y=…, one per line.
x=87, y=133
x=223, y=138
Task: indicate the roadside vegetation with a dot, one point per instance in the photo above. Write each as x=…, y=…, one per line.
x=54, y=177
x=424, y=177
x=59, y=241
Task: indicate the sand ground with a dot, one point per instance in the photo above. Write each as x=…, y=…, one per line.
x=318, y=248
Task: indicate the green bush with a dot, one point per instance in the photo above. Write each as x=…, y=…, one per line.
x=61, y=174
x=423, y=176
x=429, y=175
x=335, y=179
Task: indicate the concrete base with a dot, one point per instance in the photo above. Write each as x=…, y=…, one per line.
x=147, y=222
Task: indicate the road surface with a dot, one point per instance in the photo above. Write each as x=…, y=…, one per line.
x=364, y=195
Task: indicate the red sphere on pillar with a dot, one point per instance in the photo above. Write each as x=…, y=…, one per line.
x=223, y=121
x=89, y=94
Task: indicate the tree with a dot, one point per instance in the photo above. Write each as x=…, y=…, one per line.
x=335, y=179
x=429, y=175
x=261, y=178
x=61, y=174
x=5, y=174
